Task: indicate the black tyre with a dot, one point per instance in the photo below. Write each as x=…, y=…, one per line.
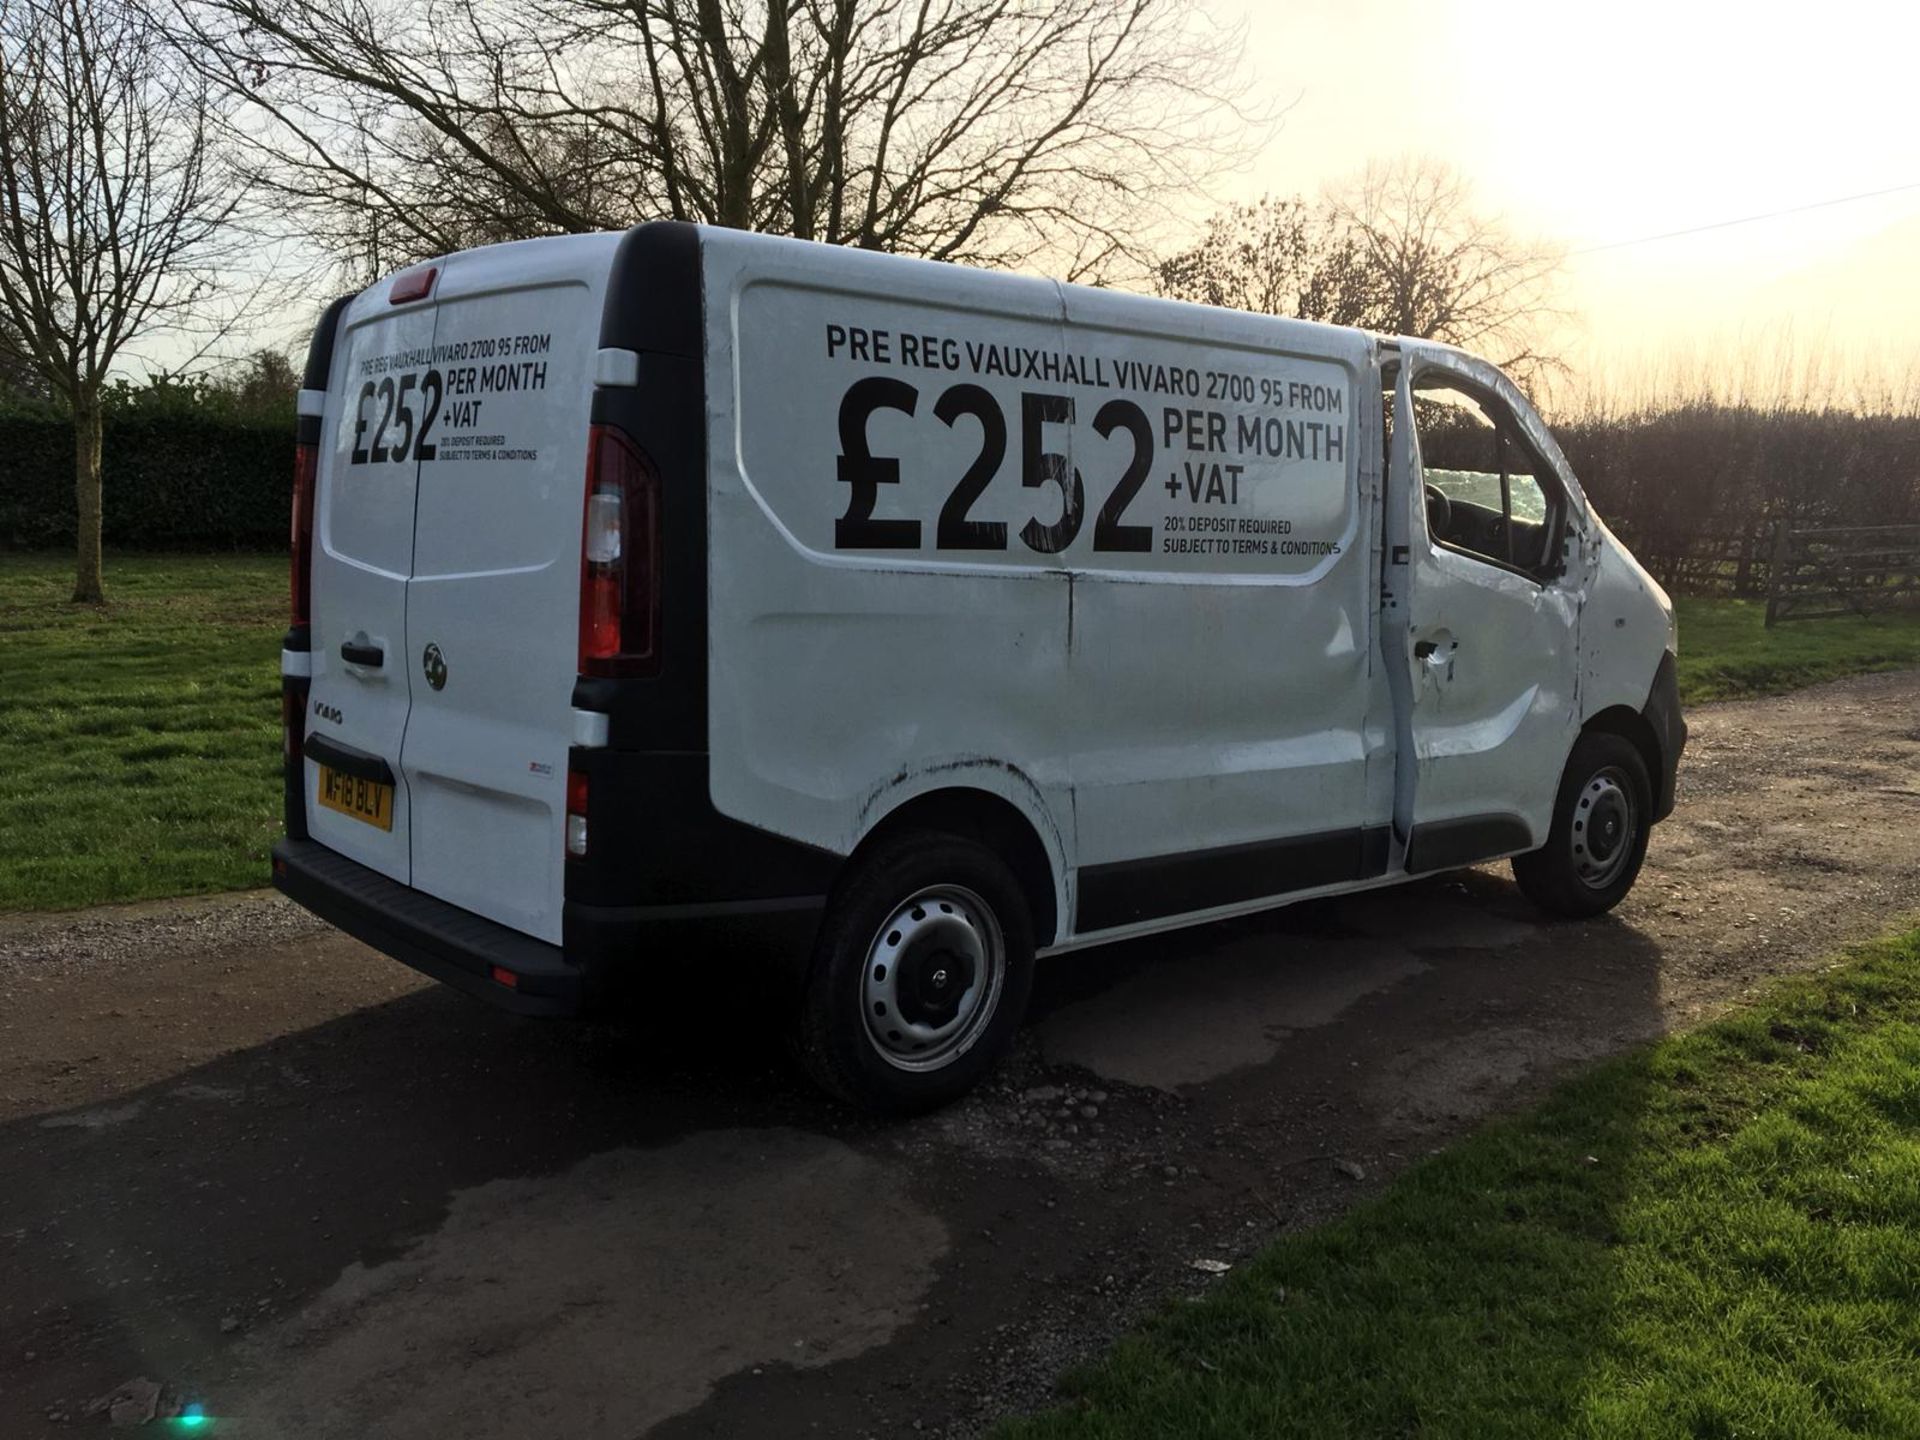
x=1601, y=821
x=920, y=974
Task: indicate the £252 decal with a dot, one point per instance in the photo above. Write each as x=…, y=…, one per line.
x=389, y=407
x=1041, y=469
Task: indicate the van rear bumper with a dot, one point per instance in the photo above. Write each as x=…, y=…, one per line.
x=608, y=949
x=435, y=938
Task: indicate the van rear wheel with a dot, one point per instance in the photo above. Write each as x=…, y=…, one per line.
x=1602, y=819
x=920, y=975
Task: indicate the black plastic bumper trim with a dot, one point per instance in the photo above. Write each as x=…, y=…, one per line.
x=435, y=938
x=1450, y=844
x=609, y=951
x=1662, y=714
x=1127, y=892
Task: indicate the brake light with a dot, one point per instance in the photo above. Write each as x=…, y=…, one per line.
x=576, y=814
x=306, y=464
x=414, y=285
x=619, y=559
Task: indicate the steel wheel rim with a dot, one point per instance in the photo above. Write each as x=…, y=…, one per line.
x=1605, y=829
x=932, y=978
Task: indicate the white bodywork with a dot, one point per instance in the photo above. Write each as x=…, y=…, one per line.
x=905, y=595
x=473, y=549
x=1130, y=705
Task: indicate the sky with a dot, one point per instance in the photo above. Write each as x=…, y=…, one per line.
x=1589, y=125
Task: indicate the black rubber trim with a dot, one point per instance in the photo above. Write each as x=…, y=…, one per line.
x=347, y=760
x=1662, y=714
x=1128, y=892
x=1374, y=846
x=319, y=366
x=655, y=839
x=293, y=777
x=653, y=292
x=1450, y=844
x=438, y=939
x=654, y=307
x=763, y=942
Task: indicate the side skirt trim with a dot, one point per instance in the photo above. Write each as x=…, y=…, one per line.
x=1449, y=844
x=1127, y=892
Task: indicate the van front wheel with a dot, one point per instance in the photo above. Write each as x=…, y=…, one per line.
x=1601, y=821
x=920, y=975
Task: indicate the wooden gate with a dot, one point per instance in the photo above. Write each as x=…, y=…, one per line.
x=1851, y=570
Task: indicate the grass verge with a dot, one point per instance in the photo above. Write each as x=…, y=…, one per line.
x=139, y=740
x=1727, y=653
x=1717, y=1236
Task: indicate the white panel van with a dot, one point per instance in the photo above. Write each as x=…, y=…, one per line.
x=666, y=595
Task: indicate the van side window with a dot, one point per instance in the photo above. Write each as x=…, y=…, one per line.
x=1488, y=494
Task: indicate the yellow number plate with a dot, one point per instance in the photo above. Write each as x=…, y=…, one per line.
x=366, y=800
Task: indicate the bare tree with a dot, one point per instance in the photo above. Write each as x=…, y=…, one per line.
x=989, y=131
x=1401, y=248
x=1274, y=257
x=1443, y=269
x=19, y=378
x=110, y=210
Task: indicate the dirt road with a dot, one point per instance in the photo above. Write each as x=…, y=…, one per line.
x=245, y=1157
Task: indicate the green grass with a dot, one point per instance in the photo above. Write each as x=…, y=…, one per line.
x=1726, y=651
x=139, y=753
x=140, y=740
x=1715, y=1237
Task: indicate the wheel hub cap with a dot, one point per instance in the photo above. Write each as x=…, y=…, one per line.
x=932, y=985
x=932, y=978
x=1604, y=824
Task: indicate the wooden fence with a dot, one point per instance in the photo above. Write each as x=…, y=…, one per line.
x=1850, y=570
x=1706, y=562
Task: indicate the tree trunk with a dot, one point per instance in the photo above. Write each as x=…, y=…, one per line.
x=88, y=588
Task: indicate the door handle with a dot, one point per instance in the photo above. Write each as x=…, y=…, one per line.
x=1423, y=649
x=371, y=656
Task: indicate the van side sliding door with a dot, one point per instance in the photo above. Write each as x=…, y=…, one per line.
x=1224, y=663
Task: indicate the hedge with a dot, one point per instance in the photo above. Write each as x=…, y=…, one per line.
x=177, y=480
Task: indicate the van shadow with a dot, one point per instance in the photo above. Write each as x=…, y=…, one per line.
x=236, y=1189
x=1451, y=983
x=1245, y=1058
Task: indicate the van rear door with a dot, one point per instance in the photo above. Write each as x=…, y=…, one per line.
x=492, y=617
x=363, y=557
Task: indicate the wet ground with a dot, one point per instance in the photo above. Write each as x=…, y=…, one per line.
x=246, y=1158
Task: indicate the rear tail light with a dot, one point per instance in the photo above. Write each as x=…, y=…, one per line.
x=306, y=462
x=576, y=814
x=619, y=559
